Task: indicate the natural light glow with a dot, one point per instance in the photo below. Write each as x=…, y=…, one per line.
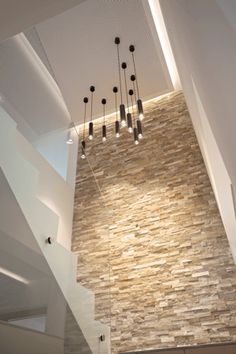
x=165, y=44
x=14, y=276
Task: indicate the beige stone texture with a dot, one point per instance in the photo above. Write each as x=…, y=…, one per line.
x=151, y=245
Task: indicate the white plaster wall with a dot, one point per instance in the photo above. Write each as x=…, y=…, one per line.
x=21, y=341
x=203, y=40
x=52, y=190
x=61, y=156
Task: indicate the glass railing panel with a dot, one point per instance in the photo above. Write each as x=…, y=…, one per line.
x=32, y=305
x=89, y=228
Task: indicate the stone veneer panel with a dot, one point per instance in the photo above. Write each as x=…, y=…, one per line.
x=172, y=277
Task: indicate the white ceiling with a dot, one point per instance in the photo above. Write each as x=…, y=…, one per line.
x=76, y=49
x=16, y=16
x=79, y=45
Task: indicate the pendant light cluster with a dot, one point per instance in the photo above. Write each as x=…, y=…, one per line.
x=129, y=116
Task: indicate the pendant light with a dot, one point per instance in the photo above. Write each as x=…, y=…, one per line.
x=135, y=131
x=117, y=123
x=139, y=124
x=129, y=117
x=122, y=106
x=83, y=156
x=104, y=128
x=92, y=89
x=139, y=101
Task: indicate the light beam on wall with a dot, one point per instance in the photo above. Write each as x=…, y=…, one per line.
x=14, y=276
x=165, y=43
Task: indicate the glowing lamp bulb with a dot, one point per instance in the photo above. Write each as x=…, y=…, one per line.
x=141, y=116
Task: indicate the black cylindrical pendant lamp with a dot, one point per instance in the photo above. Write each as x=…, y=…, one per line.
x=90, y=130
x=83, y=156
x=128, y=116
x=136, y=136
x=117, y=123
x=85, y=100
x=140, y=109
x=117, y=128
x=92, y=89
x=104, y=133
x=135, y=131
x=122, y=106
x=129, y=123
x=122, y=115
x=104, y=128
x=139, y=101
x=139, y=128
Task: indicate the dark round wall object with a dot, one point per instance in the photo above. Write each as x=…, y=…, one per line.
x=102, y=337
x=104, y=101
x=131, y=92
x=115, y=89
x=49, y=240
x=124, y=65
x=132, y=78
x=92, y=88
x=85, y=99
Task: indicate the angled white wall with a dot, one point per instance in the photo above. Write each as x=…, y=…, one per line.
x=202, y=35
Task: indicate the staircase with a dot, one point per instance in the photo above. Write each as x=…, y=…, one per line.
x=24, y=179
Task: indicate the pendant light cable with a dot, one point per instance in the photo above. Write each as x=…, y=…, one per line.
x=92, y=89
x=124, y=67
x=116, y=106
x=131, y=92
x=85, y=111
x=117, y=42
x=132, y=49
